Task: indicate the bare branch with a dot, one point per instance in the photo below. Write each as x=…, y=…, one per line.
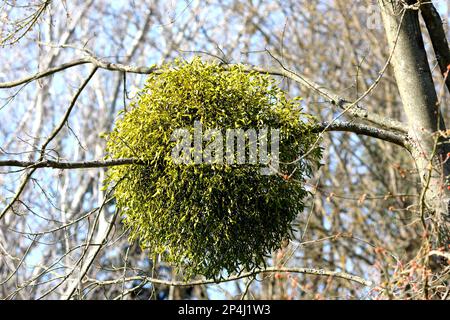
x=68, y=165
x=311, y=271
x=331, y=97
x=360, y=129
x=54, y=133
x=43, y=74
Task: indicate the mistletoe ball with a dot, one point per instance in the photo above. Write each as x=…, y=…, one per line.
x=218, y=215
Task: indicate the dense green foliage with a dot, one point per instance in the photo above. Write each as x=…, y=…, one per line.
x=207, y=218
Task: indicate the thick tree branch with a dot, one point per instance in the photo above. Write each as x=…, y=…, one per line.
x=361, y=129
x=422, y=109
x=438, y=37
x=333, y=98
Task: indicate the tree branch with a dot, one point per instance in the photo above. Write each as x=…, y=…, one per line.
x=69, y=165
x=357, y=128
x=438, y=37
x=43, y=74
x=54, y=133
x=317, y=272
x=361, y=129
x=355, y=111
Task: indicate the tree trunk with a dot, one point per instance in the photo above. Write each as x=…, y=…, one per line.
x=420, y=103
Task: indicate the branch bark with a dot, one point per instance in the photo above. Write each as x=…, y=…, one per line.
x=438, y=37
x=310, y=271
x=338, y=126
x=333, y=98
x=420, y=103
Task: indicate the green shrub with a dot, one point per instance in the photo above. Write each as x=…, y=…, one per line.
x=209, y=218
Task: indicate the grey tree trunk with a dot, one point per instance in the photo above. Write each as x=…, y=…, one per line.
x=417, y=90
